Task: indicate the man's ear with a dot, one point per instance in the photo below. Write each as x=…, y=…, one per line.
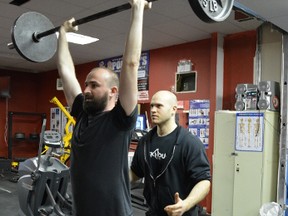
x=175, y=108
x=114, y=91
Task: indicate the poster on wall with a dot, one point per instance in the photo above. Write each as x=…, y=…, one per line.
x=55, y=119
x=199, y=119
x=249, y=132
x=58, y=120
x=115, y=64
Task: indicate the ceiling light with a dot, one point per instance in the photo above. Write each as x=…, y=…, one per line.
x=78, y=38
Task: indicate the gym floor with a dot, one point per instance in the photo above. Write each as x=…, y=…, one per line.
x=8, y=194
x=9, y=205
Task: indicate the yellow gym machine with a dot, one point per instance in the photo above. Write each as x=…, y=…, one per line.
x=64, y=156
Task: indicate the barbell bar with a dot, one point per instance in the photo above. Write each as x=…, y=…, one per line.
x=34, y=42
x=34, y=39
x=89, y=19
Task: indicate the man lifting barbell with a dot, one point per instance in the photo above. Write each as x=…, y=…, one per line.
x=105, y=116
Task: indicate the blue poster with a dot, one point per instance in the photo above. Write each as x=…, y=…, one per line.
x=115, y=64
x=199, y=120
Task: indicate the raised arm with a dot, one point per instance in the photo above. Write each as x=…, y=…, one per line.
x=128, y=90
x=65, y=64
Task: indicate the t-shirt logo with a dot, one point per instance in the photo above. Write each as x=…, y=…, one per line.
x=157, y=155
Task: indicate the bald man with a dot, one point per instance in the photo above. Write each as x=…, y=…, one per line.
x=172, y=162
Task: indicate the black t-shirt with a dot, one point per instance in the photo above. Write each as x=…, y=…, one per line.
x=99, y=161
x=187, y=165
x=160, y=150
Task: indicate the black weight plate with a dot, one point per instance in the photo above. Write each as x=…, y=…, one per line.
x=22, y=36
x=212, y=10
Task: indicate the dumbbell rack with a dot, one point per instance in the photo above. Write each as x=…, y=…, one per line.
x=11, y=115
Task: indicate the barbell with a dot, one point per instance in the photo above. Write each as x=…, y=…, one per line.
x=33, y=34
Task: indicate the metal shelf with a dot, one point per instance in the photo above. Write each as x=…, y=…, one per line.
x=11, y=139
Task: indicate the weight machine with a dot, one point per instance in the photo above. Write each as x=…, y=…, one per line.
x=64, y=155
x=43, y=182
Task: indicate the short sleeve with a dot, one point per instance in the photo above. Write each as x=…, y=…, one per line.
x=77, y=106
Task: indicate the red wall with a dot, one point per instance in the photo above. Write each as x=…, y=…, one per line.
x=32, y=92
x=238, y=64
x=23, y=91
x=163, y=66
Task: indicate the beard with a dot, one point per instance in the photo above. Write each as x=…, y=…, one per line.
x=94, y=106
